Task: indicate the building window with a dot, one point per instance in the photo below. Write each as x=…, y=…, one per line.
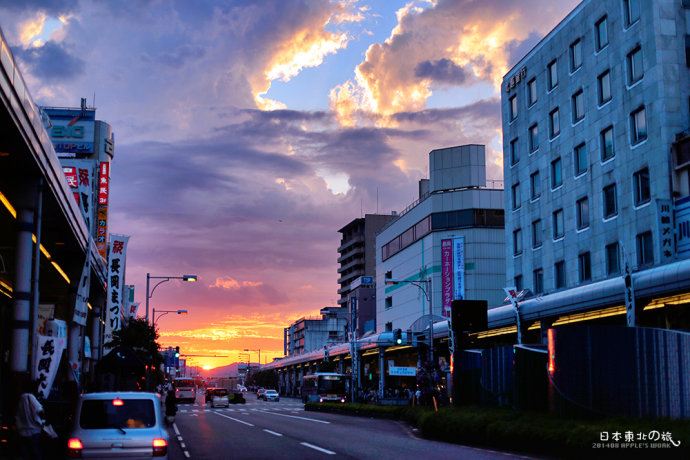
x=552, y=71
x=516, y=195
x=580, y=159
x=558, y=231
x=601, y=33
x=575, y=55
x=532, y=92
x=604, y=83
x=645, y=251
x=538, y=279
x=610, y=201
x=582, y=208
x=533, y=138
x=612, y=259
x=687, y=50
x=518, y=283
x=389, y=274
x=556, y=173
x=536, y=233
x=559, y=274
x=389, y=303
x=513, y=107
x=535, y=185
x=554, y=123
x=635, y=70
x=606, y=144
x=641, y=186
x=517, y=242
x=389, y=326
x=638, y=125
x=584, y=262
x=514, y=152
x=632, y=11
x=578, y=106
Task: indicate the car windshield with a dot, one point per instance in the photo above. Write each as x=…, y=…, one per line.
x=221, y=392
x=117, y=413
x=272, y=392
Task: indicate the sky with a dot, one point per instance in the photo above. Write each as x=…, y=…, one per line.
x=248, y=132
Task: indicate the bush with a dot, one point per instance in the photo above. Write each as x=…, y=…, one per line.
x=408, y=413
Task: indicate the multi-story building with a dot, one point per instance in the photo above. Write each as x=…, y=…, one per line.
x=455, y=204
x=596, y=157
x=309, y=334
x=357, y=250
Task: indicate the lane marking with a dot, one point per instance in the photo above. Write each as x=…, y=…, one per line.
x=195, y=410
x=177, y=431
x=235, y=419
x=182, y=445
x=179, y=438
x=320, y=449
x=296, y=416
x=186, y=454
x=272, y=432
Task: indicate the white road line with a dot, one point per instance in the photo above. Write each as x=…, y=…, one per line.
x=320, y=449
x=177, y=431
x=183, y=445
x=186, y=454
x=179, y=438
x=295, y=416
x=235, y=419
x=273, y=433
x=195, y=410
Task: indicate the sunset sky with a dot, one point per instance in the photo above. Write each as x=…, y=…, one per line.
x=248, y=132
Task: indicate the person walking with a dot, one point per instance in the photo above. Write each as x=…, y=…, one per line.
x=170, y=405
x=29, y=421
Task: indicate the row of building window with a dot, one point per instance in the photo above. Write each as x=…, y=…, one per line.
x=641, y=195
x=645, y=258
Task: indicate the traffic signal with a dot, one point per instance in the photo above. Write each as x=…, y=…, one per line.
x=397, y=336
x=177, y=352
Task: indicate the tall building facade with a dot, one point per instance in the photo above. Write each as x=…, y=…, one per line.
x=596, y=158
x=357, y=256
x=457, y=203
x=310, y=334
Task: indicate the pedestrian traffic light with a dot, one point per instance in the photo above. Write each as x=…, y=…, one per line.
x=177, y=352
x=397, y=336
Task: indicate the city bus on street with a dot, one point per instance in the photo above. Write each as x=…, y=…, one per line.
x=185, y=389
x=325, y=386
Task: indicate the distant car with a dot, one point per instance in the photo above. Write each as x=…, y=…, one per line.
x=271, y=395
x=241, y=388
x=220, y=398
x=209, y=394
x=260, y=393
x=118, y=425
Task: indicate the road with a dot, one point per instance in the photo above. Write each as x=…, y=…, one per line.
x=271, y=430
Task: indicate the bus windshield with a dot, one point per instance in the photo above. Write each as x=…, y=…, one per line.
x=331, y=384
x=180, y=383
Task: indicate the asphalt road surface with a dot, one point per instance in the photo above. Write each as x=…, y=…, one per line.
x=277, y=430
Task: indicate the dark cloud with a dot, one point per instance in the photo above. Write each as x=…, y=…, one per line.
x=178, y=57
x=285, y=115
x=518, y=49
x=54, y=7
x=484, y=109
x=442, y=71
x=51, y=62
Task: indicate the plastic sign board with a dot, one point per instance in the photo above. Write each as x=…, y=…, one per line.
x=402, y=371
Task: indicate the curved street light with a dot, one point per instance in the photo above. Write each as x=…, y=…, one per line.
x=164, y=279
x=165, y=312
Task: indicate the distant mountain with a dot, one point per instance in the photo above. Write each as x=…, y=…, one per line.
x=231, y=370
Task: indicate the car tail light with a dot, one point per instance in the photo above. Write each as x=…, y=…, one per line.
x=160, y=447
x=74, y=448
x=118, y=402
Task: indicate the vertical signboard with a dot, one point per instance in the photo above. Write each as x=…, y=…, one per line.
x=116, y=270
x=666, y=238
x=80, y=305
x=459, y=268
x=446, y=276
x=46, y=360
x=102, y=220
x=80, y=178
x=681, y=216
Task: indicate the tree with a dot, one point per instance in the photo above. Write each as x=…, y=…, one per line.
x=142, y=338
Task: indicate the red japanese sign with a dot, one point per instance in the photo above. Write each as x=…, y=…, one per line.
x=71, y=176
x=103, y=183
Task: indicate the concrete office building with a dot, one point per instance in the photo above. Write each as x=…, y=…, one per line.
x=455, y=202
x=309, y=334
x=357, y=251
x=596, y=157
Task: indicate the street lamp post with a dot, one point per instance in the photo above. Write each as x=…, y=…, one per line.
x=187, y=278
x=165, y=312
x=423, y=285
x=259, y=351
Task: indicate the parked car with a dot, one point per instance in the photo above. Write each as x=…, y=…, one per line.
x=271, y=395
x=260, y=393
x=118, y=425
x=220, y=398
x=209, y=394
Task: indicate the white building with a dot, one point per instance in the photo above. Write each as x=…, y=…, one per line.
x=454, y=202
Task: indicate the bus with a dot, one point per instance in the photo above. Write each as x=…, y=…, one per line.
x=185, y=389
x=324, y=387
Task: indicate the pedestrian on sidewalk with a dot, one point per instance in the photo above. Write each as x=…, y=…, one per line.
x=29, y=420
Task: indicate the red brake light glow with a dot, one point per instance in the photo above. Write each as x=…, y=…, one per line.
x=118, y=402
x=74, y=443
x=159, y=442
x=160, y=447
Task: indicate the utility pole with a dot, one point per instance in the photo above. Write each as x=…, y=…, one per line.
x=354, y=353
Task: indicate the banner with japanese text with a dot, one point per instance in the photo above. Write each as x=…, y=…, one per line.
x=116, y=273
x=459, y=268
x=81, y=309
x=133, y=307
x=103, y=192
x=80, y=175
x=446, y=276
x=46, y=361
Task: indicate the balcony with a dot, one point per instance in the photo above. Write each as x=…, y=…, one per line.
x=344, y=244
x=351, y=264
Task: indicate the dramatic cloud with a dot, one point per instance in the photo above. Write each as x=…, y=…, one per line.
x=51, y=61
x=233, y=284
x=441, y=71
x=49, y=6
